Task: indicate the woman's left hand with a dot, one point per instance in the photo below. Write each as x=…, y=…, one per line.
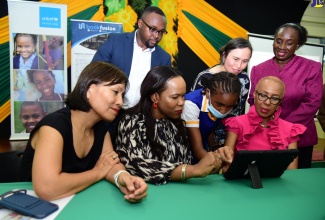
x=134, y=188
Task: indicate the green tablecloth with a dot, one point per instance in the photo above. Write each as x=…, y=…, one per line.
x=298, y=194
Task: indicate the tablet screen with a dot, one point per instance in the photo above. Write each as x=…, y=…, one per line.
x=269, y=163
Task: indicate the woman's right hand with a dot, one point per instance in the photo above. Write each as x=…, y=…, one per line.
x=106, y=162
x=207, y=164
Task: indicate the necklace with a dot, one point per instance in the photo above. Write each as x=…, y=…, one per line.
x=264, y=126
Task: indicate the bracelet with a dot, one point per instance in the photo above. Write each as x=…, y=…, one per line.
x=183, y=173
x=116, y=176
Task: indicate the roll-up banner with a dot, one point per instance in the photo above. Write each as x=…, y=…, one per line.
x=38, y=62
x=86, y=37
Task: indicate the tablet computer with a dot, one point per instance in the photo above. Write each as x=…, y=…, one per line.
x=260, y=164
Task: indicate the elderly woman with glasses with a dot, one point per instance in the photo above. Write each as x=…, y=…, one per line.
x=303, y=79
x=261, y=128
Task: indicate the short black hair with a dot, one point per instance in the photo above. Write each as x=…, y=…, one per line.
x=30, y=74
x=29, y=103
x=152, y=9
x=302, y=32
x=33, y=36
x=94, y=73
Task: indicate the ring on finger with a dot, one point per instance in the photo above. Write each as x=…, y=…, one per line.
x=114, y=157
x=219, y=157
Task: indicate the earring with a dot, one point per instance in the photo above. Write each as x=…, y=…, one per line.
x=155, y=105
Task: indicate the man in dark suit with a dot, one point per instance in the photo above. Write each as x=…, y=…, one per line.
x=137, y=52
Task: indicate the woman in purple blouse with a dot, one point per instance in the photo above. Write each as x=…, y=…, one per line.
x=303, y=80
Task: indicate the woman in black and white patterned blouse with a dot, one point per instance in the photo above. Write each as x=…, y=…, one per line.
x=151, y=138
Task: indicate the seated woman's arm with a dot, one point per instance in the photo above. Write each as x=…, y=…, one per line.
x=161, y=172
x=136, y=161
x=135, y=152
x=133, y=187
x=49, y=181
x=207, y=165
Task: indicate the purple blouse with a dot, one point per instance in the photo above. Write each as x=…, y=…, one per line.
x=303, y=80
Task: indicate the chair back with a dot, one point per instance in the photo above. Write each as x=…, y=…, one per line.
x=9, y=166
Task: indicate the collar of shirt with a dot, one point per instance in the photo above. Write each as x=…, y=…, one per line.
x=136, y=45
x=205, y=104
x=29, y=62
x=204, y=108
x=141, y=64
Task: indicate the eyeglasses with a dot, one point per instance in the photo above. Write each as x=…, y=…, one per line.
x=153, y=30
x=273, y=100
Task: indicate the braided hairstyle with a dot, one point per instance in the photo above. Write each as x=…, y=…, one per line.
x=222, y=82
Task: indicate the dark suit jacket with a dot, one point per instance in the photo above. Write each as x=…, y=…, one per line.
x=118, y=50
x=16, y=62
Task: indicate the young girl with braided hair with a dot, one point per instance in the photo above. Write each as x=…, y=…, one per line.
x=204, y=108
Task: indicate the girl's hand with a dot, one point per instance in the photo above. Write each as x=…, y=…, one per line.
x=226, y=155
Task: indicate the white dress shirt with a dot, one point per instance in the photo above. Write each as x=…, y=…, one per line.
x=141, y=64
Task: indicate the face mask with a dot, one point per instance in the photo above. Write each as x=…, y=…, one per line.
x=215, y=112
